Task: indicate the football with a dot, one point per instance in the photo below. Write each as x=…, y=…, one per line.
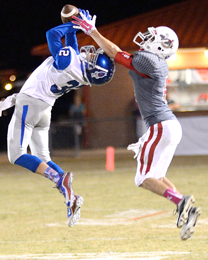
x=67, y=12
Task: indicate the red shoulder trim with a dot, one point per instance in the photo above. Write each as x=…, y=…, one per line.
x=125, y=59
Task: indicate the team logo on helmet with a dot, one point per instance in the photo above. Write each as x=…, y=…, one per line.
x=99, y=74
x=165, y=42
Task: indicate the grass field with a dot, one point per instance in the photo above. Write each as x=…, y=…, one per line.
x=118, y=220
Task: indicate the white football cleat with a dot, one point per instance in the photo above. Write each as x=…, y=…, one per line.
x=183, y=209
x=73, y=213
x=188, y=228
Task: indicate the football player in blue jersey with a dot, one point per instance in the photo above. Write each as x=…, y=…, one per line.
x=155, y=149
x=66, y=69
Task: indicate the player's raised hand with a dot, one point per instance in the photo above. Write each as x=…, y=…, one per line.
x=86, y=24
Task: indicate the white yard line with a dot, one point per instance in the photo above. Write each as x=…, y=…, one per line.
x=96, y=256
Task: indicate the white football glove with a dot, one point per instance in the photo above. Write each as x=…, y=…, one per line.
x=87, y=26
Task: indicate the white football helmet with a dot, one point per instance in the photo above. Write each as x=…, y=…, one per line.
x=161, y=40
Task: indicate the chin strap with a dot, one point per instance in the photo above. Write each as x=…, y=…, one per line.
x=84, y=72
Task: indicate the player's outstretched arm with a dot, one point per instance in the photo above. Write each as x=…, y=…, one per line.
x=88, y=27
x=109, y=47
x=54, y=36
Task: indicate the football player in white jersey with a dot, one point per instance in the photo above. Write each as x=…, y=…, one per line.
x=155, y=149
x=67, y=69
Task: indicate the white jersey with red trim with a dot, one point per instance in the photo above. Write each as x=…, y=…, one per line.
x=148, y=73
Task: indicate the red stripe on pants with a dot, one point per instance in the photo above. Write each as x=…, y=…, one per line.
x=144, y=148
x=153, y=146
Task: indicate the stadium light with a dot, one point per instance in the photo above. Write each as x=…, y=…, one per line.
x=206, y=53
x=12, y=78
x=8, y=86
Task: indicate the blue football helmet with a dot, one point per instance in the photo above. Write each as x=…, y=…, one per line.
x=98, y=67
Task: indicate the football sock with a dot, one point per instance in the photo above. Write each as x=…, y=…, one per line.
x=173, y=196
x=52, y=175
x=54, y=166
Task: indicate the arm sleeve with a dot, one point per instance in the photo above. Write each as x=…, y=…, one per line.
x=71, y=40
x=125, y=59
x=55, y=35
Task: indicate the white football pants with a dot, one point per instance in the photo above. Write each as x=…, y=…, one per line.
x=29, y=126
x=156, y=150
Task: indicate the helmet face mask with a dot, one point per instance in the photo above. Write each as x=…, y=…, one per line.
x=161, y=40
x=98, y=67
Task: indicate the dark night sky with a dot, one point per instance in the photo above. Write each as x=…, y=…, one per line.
x=25, y=22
